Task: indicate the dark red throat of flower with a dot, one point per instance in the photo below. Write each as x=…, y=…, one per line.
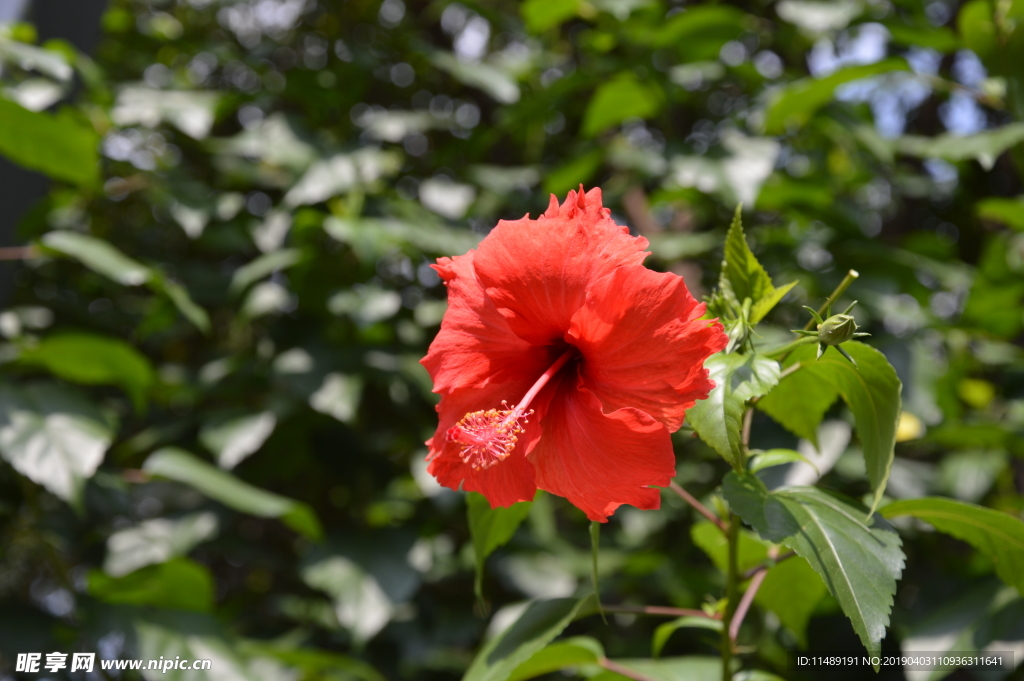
x=488, y=437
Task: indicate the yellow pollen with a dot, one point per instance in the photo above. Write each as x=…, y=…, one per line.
x=489, y=436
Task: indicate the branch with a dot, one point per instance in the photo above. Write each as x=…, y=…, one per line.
x=699, y=507
x=625, y=671
x=757, y=569
x=744, y=606
x=17, y=253
x=659, y=610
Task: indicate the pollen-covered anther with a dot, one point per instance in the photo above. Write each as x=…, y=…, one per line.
x=489, y=436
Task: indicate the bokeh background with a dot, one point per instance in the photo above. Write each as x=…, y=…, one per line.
x=218, y=221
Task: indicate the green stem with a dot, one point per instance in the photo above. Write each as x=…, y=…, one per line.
x=731, y=590
x=840, y=290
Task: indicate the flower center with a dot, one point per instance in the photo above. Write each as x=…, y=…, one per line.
x=489, y=436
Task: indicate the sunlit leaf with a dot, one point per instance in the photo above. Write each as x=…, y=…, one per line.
x=263, y=266
x=233, y=437
x=156, y=541
x=495, y=82
x=984, y=147
x=191, y=111
x=718, y=420
x=176, y=464
x=793, y=105
x=99, y=256
x=52, y=435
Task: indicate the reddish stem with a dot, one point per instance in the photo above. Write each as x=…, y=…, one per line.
x=699, y=507
x=744, y=606
x=625, y=671
x=17, y=253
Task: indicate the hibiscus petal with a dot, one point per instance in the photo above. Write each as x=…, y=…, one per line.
x=475, y=345
x=600, y=461
x=537, y=272
x=644, y=345
x=503, y=483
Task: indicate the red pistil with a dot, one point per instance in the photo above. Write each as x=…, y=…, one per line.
x=489, y=436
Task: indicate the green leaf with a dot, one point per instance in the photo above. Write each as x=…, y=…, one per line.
x=360, y=603
x=711, y=25
x=743, y=277
x=622, y=97
x=102, y=258
x=59, y=146
x=234, y=438
x=859, y=562
x=718, y=420
x=570, y=174
x=53, y=436
x=490, y=528
x=795, y=104
x=263, y=266
x=539, y=624
x=871, y=390
x=665, y=631
x=572, y=652
x=99, y=256
x=984, y=147
x=180, y=584
x=667, y=669
x=938, y=38
x=95, y=360
x=541, y=15
x=183, y=301
x=977, y=29
x=316, y=663
x=173, y=635
x=1008, y=211
x=372, y=238
x=191, y=111
x=495, y=82
x=156, y=541
x=776, y=457
x=177, y=464
x=997, y=535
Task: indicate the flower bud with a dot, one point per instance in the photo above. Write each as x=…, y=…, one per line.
x=837, y=329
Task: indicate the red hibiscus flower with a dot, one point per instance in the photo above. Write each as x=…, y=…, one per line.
x=563, y=364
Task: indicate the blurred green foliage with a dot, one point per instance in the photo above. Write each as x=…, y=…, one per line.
x=211, y=406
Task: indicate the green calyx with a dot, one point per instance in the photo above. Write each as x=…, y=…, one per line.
x=834, y=331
